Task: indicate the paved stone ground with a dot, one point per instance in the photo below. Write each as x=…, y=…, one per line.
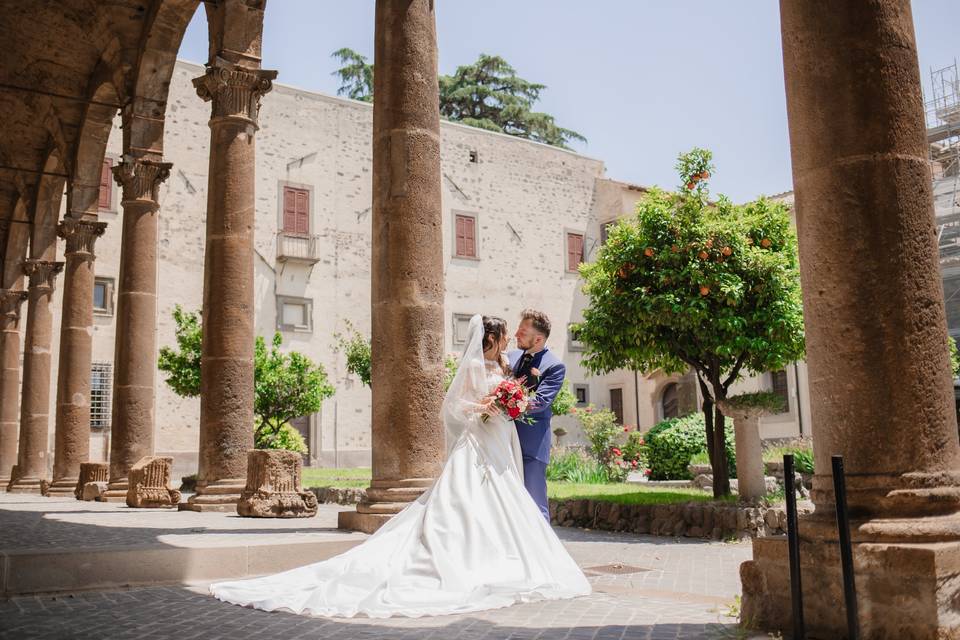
x=671, y=588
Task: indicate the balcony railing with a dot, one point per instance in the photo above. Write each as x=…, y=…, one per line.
x=292, y=247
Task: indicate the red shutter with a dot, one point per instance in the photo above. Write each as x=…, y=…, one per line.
x=466, y=237
x=106, y=184
x=303, y=211
x=470, y=237
x=574, y=250
x=289, y=210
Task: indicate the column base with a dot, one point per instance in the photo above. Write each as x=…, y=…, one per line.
x=363, y=522
x=221, y=495
x=62, y=488
x=29, y=485
x=908, y=591
x=116, y=491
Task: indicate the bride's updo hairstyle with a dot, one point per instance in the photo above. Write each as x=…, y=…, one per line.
x=493, y=331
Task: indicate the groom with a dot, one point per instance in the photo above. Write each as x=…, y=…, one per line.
x=545, y=373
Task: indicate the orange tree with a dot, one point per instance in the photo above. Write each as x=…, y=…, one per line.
x=690, y=283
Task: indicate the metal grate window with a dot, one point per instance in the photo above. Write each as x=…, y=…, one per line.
x=101, y=374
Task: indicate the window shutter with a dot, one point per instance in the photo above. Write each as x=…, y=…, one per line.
x=464, y=233
x=303, y=211
x=469, y=237
x=574, y=250
x=289, y=210
x=106, y=184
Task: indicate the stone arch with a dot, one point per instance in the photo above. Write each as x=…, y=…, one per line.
x=18, y=239
x=46, y=208
x=145, y=114
x=84, y=191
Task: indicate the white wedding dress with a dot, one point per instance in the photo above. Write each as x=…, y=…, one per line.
x=474, y=540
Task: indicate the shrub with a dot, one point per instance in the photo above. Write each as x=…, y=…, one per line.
x=672, y=444
x=573, y=465
x=601, y=428
x=286, y=438
x=357, y=349
x=564, y=401
x=802, y=456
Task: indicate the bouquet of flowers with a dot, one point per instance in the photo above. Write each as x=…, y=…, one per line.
x=514, y=399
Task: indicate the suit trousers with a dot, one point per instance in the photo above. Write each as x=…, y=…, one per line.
x=535, y=480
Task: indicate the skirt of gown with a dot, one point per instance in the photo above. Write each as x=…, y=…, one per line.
x=475, y=540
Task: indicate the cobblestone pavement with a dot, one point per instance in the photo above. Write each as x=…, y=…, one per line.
x=644, y=586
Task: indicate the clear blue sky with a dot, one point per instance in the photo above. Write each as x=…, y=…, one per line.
x=643, y=80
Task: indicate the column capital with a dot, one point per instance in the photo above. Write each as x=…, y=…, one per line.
x=141, y=179
x=80, y=235
x=41, y=273
x=234, y=91
x=10, y=301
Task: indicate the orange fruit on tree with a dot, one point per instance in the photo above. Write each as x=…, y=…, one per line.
x=709, y=243
x=765, y=243
x=704, y=291
x=726, y=251
x=702, y=255
x=675, y=248
x=648, y=252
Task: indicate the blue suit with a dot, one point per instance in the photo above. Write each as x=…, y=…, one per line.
x=535, y=437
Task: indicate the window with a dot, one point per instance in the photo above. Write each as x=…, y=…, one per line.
x=474, y=156
x=100, y=386
x=296, y=211
x=605, y=230
x=106, y=185
x=573, y=344
x=582, y=392
x=670, y=402
x=103, y=296
x=778, y=385
x=574, y=250
x=465, y=236
x=616, y=404
x=461, y=324
x=294, y=314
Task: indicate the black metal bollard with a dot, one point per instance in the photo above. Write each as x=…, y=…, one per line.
x=793, y=544
x=846, y=548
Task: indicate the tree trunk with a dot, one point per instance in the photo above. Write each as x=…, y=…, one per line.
x=721, y=466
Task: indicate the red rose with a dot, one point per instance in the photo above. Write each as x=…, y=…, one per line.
x=634, y=464
x=646, y=472
x=616, y=452
x=514, y=412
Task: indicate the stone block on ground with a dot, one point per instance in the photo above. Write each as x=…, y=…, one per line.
x=93, y=491
x=149, y=483
x=90, y=472
x=273, y=487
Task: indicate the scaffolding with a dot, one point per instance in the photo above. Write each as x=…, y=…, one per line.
x=942, y=109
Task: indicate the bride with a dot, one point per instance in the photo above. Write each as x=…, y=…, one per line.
x=474, y=540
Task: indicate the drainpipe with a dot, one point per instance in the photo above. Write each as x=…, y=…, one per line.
x=636, y=396
x=796, y=382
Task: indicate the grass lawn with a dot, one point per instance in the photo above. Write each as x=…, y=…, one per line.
x=622, y=493
x=341, y=478
x=626, y=493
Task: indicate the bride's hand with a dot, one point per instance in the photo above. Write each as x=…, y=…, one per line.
x=490, y=406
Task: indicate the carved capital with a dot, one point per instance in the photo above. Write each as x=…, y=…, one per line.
x=10, y=302
x=41, y=273
x=80, y=235
x=235, y=92
x=141, y=179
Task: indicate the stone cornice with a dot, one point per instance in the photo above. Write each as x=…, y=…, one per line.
x=235, y=92
x=141, y=179
x=42, y=273
x=10, y=302
x=81, y=235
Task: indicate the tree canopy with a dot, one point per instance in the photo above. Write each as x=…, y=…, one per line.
x=689, y=283
x=286, y=385
x=487, y=94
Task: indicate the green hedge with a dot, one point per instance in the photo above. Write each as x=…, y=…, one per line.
x=672, y=443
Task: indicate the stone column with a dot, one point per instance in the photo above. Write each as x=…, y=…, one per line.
x=876, y=333
x=751, y=485
x=72, y=437
x=226, y=379
x=407, y=264
x=135, y=352
x=31, y=474
x=10, y=302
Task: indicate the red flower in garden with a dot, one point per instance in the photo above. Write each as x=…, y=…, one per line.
x=616, y=452
x=634, y=464
x=646, y=472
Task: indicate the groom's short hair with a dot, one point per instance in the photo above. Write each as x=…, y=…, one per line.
x=538, y=319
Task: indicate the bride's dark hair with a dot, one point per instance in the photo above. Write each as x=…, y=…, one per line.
x=493, y=330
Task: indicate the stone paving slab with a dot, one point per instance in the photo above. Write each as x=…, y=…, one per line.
x=644, y=586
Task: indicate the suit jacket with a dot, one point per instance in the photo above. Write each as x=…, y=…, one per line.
x=535, y=437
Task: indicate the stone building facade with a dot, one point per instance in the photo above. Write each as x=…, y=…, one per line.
x=513, y=213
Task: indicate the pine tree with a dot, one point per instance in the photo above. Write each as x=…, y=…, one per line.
x=356, y=75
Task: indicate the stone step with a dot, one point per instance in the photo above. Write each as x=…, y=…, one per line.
x=191, y=560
